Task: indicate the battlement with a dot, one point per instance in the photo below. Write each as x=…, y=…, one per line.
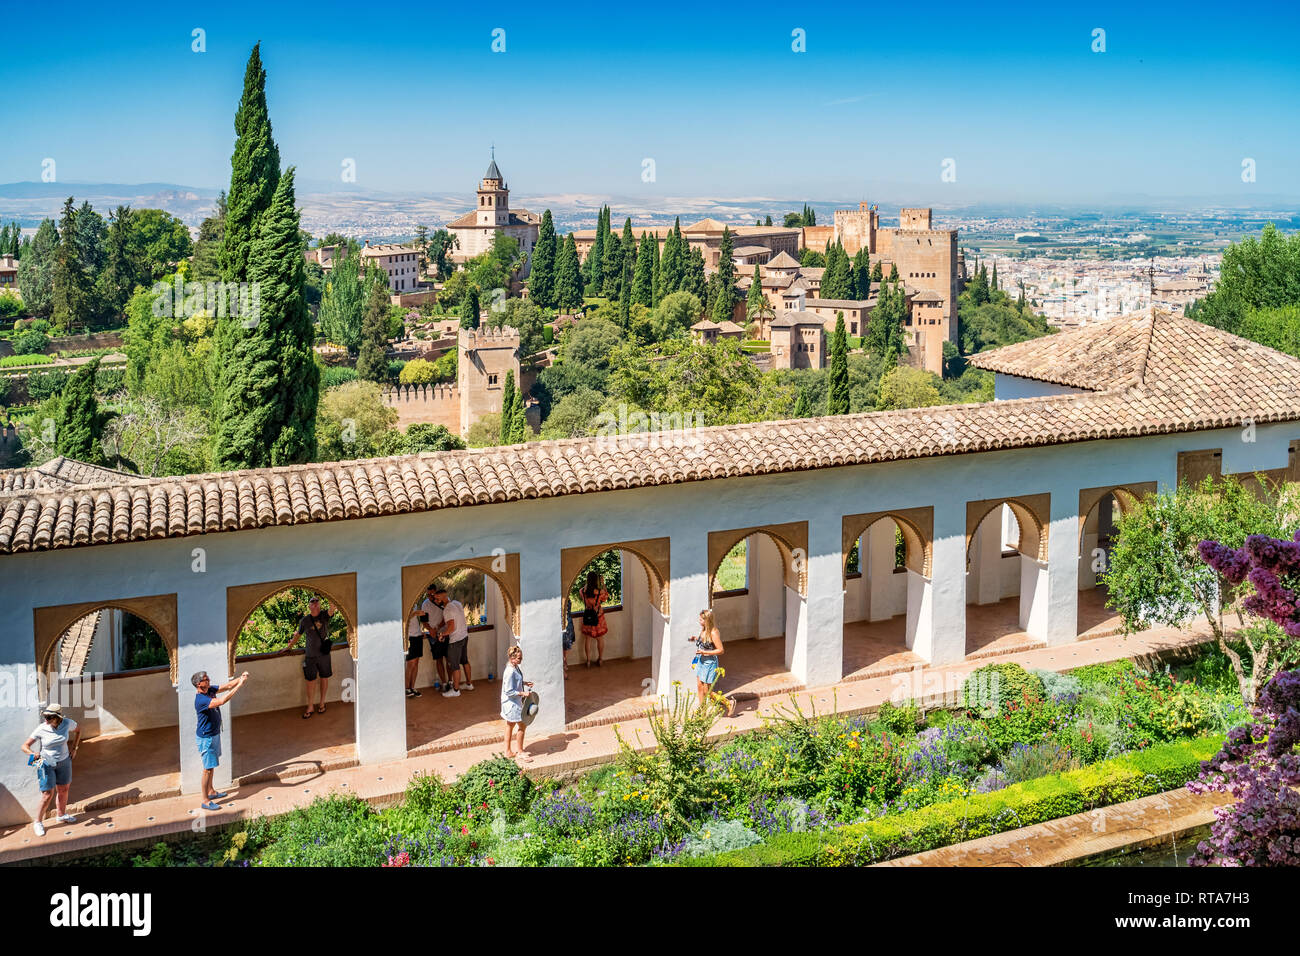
x=485, y=338
x=407, y=394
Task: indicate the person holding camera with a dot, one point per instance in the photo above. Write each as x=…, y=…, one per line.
x=316, y=667
x=594, y=628
x=208, y=699
x=708, y=648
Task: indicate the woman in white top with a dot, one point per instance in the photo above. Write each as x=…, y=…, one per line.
x=513, y=691
x=59, y=738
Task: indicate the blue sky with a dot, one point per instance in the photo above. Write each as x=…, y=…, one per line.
x=584, y=93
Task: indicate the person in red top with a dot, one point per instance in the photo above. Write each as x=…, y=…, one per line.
x=594, y=628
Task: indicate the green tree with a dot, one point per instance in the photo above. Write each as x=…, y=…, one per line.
x=518, y=421
x=271, y=379
x=675, y=315
x=594, y=267
x=885, y=324
x=877, y=275
x=693, y=280
x=906, y=387
x=508, y=399
x=837, y=393
x=755, y=300
x=672, y=268
x=1154, y=574
x=541, y=281
x=354, y=421
x=81, y=422
x=344, y=300
x=205, y=266
x=372, y=354
x=70, y=293
x=643, y=274
x=568, y=280
x=470, y=307
x=837, y=280
x=1256, y=274
x=254, y=172
x=441, y=245
x=36, y=270
x=861, y=275
x=803, y=408
x=724, y=303
x=812, y=258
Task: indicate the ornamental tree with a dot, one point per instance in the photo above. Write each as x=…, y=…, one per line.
x=1260, y=768
x=1156, y=576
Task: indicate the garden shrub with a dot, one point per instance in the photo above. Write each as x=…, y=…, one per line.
x=718, y=836
x=1022, y=721
x=1111, y=674
x=1003, y=683
x=1030, y=761
x=497, y=785
x=30, y=342
x=417, y=372
x=1160, y=768
x=13, y=361
x=332, y=375
x=1159, y=708
x=1058, y=686
x=904, y=721
x=669, y=776
x=332, y=831
x=44, y=385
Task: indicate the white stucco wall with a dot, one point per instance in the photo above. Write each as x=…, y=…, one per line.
x=377, y=548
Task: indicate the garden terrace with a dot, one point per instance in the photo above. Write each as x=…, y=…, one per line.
x=872, y=543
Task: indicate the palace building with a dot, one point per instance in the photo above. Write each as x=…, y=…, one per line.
x=476, y=230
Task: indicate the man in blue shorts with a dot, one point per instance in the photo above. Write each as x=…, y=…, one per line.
x=208, y=728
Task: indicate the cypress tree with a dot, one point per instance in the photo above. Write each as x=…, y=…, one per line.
x=876, y=274
x=861, y=274
x=273, y=382
x=68, y=287
x=725, y=301
x=767, y=220
x=470, y=308
x=837, y=386
x=893, y=272
x=254, y=172
x=756, y=299
x=81, y=422
x=372, y=357
x=993, y=283
x=627, y=260
x=837, y=281
x=568, y=280
x=643, y=274
x=541, y=280
x=693, y=274
x=616, y=251
x=802, y=406
x=654, y=277
x=593, y=269
x=518, y=421
x=508, y=399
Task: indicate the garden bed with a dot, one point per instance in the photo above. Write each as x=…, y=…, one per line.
x=806, y=790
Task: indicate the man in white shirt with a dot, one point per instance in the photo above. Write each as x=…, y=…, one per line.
x=456, y=630
x=431, y=622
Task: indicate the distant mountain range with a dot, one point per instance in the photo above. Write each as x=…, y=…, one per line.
x=329, y=207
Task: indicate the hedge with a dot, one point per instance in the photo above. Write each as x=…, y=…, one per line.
x=13, y=361
x=1138, y=774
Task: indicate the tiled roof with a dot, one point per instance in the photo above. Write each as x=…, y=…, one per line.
x=57, y=473
x=1171, y=375
x=783, y=260
x=1100, y=356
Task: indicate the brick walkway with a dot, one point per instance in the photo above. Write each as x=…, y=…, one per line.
x=272, y=782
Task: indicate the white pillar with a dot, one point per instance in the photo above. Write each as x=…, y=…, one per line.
x=541, y=628
x=1062, y=624
x=21, y=699
x=879, y=568
x=767, y=587
x=1033, y=597
x=688, y=595
x=201, y=616
x=945, y=641
x=920, y=611
x=818, y=657
x=379, y=704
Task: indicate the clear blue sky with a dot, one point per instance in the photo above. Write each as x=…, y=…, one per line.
x=884, y=93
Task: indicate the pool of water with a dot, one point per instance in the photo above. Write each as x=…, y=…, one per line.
x=1173, y=852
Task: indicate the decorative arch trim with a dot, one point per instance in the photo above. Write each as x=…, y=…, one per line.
x=1032, y=514
x=651, y=552
x=917, y=525
x=158, y=611
x=503, y=569
x=1127, y=495
x=791, y=540
x=242, y=600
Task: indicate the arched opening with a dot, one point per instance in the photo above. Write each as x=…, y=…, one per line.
x=485, y=598
x=886, y=592
x=758, y=583
x=1006, y=575
x=111, y=669
x=1099, y=513
x=271, y=737
x=626, y=614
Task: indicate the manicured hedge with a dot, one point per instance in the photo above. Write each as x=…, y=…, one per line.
x=1138, y=774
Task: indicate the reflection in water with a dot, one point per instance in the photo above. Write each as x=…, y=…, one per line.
x=1170, y=852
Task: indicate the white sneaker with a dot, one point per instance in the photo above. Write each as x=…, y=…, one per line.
x=39, y=827
x=451, y=693
x=67, y=818
x=466, y=686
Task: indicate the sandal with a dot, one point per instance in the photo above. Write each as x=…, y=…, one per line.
x=320, y=709
x=308, y=714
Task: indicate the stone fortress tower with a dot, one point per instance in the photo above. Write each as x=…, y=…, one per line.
x=486, y=356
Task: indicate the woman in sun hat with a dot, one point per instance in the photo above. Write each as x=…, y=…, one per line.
x=58, y=739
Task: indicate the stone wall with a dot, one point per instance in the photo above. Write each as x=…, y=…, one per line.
x=434, y=404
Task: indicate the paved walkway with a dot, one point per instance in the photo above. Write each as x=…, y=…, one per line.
x=1149, y=820
x=147, y=820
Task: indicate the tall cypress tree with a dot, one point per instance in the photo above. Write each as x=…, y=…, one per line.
x=541, y=280
x=568, y=279
x=627, y=260
x=643, y=274
x=508, y=399
x=372, y=357
x=837, y=386
x=876, y=274
x=470, y=308
x=81, y=421
x=693, y=280
x=837, y=281
x=593, y=269
x=655, y=276
x=802, y=405
x=861, y=274
x=518, y=421
x=272, y=379
x=724, y=303
x=673, y=267
x=68, y=286
x=756, y=299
